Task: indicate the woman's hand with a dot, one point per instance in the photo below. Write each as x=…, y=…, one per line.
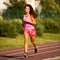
x=33, y=21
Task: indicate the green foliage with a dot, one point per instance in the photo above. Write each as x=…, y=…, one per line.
x=52, y=26
x=39, y=30
x=51, y=15
x=50, y=6
x=1, y=18
x=10, y=28
x=48, y=25
x=15, y=11
x=19, y=26
x=7, y=29
x=39, y=27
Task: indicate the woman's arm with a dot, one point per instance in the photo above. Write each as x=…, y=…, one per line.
x=33, y=20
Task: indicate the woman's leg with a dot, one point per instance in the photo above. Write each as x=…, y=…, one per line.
x=33, y=41
x=25, y=42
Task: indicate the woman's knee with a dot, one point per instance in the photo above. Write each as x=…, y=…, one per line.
x=25, y=41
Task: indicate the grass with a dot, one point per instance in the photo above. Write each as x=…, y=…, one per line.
x=48, y=37
x=8, y=43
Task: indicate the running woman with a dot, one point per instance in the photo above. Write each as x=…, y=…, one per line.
x=29, y=20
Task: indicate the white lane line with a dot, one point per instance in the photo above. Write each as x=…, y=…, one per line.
x=33, y=50
x=9, y=51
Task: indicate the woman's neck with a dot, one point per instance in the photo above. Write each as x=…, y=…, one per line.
x=27, y=14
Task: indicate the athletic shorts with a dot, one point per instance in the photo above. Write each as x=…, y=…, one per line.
x=31, y=32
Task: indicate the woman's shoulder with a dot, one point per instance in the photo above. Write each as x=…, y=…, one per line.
x=32, y=16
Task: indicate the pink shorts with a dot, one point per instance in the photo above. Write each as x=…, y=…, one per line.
x=31, y=32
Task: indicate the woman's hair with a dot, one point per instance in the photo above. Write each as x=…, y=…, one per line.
x=32, y=12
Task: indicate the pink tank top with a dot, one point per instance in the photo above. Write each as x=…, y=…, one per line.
x=26, y=24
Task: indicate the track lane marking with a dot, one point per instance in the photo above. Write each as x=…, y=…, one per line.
x=29, y=48
x=33, y=50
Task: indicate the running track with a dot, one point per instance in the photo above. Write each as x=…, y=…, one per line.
x=44, y=51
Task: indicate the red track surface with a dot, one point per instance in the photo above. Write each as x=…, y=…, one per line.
x=44, y=51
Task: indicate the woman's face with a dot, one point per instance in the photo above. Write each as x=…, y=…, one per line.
x=27, y=9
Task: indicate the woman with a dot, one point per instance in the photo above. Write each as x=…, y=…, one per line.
x=29, y=29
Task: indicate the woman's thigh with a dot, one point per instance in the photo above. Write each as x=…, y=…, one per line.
x=26, y=36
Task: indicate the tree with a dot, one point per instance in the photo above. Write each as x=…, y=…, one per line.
x=50, y=6
x=15, y=10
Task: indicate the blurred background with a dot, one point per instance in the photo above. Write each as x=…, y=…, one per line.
x=48, y=21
